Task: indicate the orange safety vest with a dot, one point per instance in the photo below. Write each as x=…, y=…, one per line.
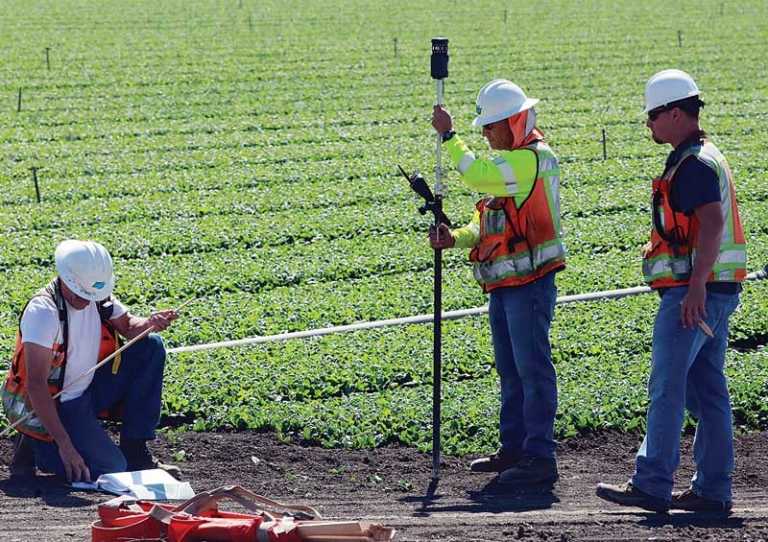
x=15, y=396
x=521, y=244
x=670, y=257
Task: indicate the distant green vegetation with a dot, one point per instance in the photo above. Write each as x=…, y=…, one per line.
x=244, y=152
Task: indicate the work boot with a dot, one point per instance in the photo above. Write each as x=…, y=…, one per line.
x=23, y=461
x=139, y=457
x=689, y=500
x=531, y=471
x=496, y=462
x=629, y=495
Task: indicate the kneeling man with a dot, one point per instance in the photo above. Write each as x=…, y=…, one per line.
x=64, y=330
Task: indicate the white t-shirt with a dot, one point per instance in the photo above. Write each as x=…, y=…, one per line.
x=40, y=325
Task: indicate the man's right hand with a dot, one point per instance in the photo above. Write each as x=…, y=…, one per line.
x=441, y=119
x=74, y=466
x=38, y=359
x=441, y=237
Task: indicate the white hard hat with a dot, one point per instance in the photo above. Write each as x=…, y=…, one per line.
x=668, y=86
x=500, y=99
x=86, y=269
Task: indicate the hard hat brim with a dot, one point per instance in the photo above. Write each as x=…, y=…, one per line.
x=79, y=291
x=651, y=107
x=482, y=120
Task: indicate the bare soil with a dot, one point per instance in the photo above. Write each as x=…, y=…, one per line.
x=393, y=486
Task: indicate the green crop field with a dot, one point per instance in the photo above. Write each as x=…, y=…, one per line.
x=244, y=153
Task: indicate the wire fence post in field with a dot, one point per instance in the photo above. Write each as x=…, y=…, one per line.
x=34, y=180
x=48, y=58
x=605, y=150
x=18, y=104
x=679, y=38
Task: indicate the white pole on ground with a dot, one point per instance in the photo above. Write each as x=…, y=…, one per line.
x=419, y=319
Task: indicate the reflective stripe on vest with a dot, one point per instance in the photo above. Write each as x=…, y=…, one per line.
x=15, y=397
x=510, y=180
x=670, y=262
x=518, y=265
x=519, y=245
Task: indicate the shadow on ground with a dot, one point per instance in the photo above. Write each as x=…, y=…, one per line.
x=691, y=519
x=491, y=498
x=50, y=489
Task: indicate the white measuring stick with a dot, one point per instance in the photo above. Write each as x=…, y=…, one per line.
x=439, y=89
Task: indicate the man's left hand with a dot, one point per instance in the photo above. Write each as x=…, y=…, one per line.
x=162, y=319
x=693, y=306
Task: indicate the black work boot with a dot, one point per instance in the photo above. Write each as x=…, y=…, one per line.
x=531, y=471
x=139, y=457
x=497, y=462
x=23, y=462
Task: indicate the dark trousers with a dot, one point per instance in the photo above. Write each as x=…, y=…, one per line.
x=137, y=387
x=520, y=320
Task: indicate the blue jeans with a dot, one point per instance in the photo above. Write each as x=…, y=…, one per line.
x=520, y=319
x=137, y=386
x=687, y=372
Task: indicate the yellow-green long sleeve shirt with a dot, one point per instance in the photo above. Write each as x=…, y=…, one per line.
x=509, y=174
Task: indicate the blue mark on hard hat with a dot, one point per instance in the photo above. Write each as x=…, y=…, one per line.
x=98, y=285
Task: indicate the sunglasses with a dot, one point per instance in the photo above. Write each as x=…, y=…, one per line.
x=653, y=114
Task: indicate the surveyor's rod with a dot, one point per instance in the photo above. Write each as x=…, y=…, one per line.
x=90, y=371
x=439, y=71
x=437, y=363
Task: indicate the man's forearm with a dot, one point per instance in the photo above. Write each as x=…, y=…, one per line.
x=45, y=411
x=702, y=267
x=136, y=325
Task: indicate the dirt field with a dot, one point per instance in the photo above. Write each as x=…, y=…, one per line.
x=392, y=486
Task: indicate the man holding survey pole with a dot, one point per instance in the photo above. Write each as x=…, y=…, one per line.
x=516, y=249
x=53, y=396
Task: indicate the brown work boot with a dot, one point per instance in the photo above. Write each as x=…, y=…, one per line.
x=23, y=462
x=629, y=495
x=498, y=462
x=139, y=457
x=689, y=500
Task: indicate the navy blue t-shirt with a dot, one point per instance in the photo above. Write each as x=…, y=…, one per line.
x=696, y=184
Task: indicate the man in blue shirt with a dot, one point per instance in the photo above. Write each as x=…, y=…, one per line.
x=695, y=260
